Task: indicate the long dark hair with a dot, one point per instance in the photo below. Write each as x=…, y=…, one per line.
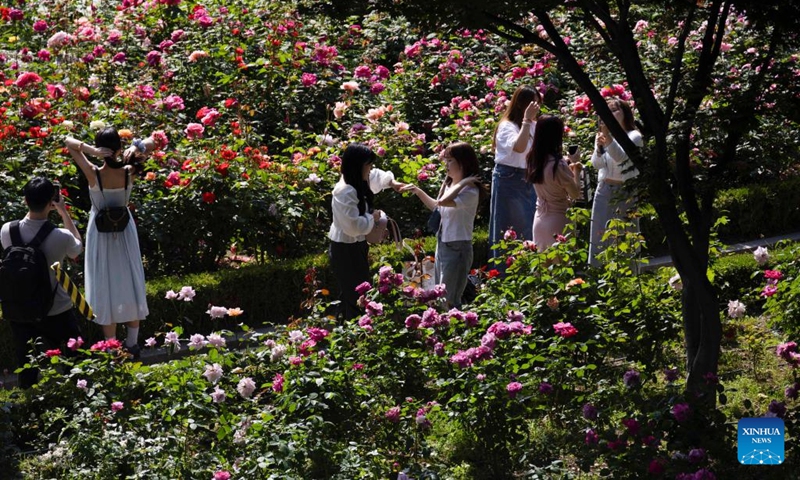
x=515, y=112
x=109, y=138
x=627, y=114
x=464, y=154
x=548, y=140
x=355, y=156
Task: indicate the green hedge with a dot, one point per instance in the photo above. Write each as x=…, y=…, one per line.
x=268, y=294
x=754, y=211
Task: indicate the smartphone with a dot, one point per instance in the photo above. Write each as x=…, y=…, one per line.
x=572, y=149
x=56, y=192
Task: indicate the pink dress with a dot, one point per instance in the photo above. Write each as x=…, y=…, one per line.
x=554, y=196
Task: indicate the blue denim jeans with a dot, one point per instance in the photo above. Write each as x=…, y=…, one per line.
x=453, y=261
x=513, y=205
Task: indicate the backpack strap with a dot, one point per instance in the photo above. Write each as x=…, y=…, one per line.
x=100, y=182
x=43, y=232
x=16, y=238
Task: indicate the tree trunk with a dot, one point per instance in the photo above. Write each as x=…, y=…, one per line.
x=700, y=306
x=702, y=331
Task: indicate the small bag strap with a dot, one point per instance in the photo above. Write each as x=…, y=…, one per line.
x=99, y=180
x=441, y=191
x=394, y=233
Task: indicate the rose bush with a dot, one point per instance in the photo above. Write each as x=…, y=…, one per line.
x=255, y=104
x=550, y=369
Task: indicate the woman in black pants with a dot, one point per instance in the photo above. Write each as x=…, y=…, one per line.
x=353, y=219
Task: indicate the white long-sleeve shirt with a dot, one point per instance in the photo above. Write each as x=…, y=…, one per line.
x=348, y=226
x=614, y=163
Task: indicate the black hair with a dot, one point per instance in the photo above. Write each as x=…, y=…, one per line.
x=355, y=156
x=39, y=192
x=109, y=138
x=548, y=140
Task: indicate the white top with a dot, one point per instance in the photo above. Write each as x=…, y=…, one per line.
x=504, y=154
x=348, y=226
x=56, y=246
x=614, y=163
x=458, y=222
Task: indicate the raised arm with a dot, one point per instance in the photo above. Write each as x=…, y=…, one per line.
x=380, y=180
x=61, y=208
x=569, y=177
x=139, y=147
x=78, y=149
x=616, y=152
x=449, y=199
x=527, y=128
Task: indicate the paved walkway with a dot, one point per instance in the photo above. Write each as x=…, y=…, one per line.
x=666, y=260
x=159, y=355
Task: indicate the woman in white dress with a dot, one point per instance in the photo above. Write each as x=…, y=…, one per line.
x=115, y=285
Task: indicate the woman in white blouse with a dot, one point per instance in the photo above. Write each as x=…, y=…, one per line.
x=458, y=204
x=353, y=219
x=513, y=200
x=611, y=199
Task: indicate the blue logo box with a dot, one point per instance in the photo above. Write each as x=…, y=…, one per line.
x=760, y=441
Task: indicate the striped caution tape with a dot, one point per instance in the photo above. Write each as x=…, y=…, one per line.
x=77, y=297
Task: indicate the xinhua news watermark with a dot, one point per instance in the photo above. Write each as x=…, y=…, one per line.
x=760, y=441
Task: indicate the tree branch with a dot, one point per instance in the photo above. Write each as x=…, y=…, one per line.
x=744, y=119
x=591, y=20
x=677, y=63
x=699, y=225
x=525, y=35
x=594, y=10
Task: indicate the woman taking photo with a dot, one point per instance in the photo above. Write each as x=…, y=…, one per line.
x=115, y=286
x=556, y=181
x=458, y=203
x=353, y=219
x=611, y=200
x=513, y=200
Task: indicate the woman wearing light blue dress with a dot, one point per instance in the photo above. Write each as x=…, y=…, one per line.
x=115, y=285
x=611, y=199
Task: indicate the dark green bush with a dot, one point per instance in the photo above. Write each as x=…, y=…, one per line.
x=760, y=210
x=754, y=211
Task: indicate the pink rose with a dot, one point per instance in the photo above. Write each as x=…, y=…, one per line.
x=194, y=130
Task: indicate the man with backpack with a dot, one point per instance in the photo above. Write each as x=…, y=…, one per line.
x=33, y=302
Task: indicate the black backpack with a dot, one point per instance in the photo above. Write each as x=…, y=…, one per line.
x=25, y=291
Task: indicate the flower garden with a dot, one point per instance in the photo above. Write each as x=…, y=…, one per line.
x=554, y=371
